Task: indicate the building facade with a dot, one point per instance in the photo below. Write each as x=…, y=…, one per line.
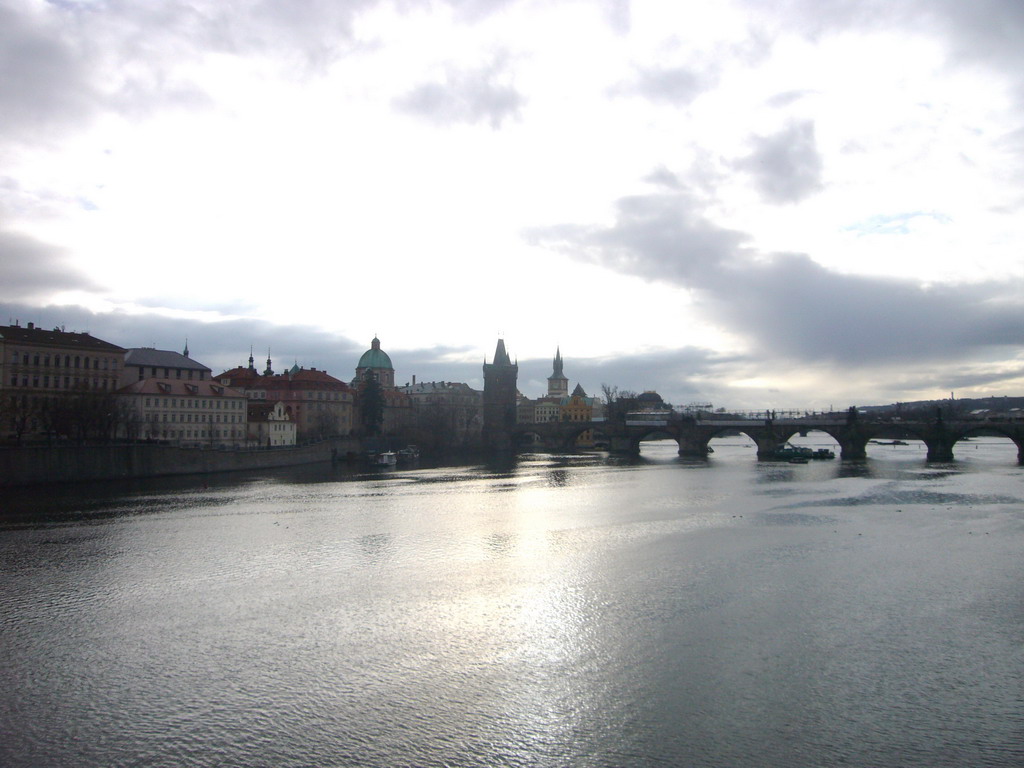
x=318, y=404
x=46, y=376
x=270, y=424
x=450, y=409
x=193, y=413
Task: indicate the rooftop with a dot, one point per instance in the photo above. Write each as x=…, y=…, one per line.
x=161, y=358
x=56, y=338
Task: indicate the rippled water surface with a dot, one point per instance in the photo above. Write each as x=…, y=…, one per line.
x=561, y=611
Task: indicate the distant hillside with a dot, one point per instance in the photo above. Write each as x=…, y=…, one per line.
x=949, y=407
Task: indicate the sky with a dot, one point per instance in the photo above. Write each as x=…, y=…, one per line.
x=793, y=204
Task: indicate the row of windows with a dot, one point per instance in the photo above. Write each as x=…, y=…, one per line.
x=186, y=418
x=69, y=381
x=65, y=361
x=197, y=434
x=176, y=402
x=258, y=395
x=167, y=373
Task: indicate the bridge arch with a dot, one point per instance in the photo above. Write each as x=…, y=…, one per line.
x=982, y=429
x=651, y=434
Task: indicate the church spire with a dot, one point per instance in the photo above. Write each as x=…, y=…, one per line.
x=252, y=366
x=558, y=384
x=185, y=353
x=500, y=355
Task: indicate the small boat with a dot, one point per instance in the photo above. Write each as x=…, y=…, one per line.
x=385, y=459
x=408, y=454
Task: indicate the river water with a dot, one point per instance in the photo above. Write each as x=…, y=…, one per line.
x=558, y=611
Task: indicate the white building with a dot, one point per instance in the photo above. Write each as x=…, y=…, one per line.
x=185, y=412
x=270, y=424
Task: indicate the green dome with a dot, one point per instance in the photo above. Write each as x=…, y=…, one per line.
x=375, y=357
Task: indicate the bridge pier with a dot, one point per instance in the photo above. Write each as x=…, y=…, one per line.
x=622, y=444
x=766, y=444
x=692, y=446
x=940, y=449
x=854, y=448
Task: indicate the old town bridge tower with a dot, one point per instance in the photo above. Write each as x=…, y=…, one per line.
x=500, y=400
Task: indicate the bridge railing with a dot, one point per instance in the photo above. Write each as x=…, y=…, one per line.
x=774, y=415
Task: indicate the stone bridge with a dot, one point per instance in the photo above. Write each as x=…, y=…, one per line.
x=693, y=434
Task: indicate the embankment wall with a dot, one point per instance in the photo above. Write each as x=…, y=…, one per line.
x=62, y=464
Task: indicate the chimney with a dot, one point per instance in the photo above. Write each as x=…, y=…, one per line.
x=414, y=379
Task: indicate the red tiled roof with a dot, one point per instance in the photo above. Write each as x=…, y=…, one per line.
x=175, y=387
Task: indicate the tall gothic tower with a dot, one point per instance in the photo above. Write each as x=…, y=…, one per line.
x=558, y=385
x=500, y=400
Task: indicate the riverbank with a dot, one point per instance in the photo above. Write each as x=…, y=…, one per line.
x=39, y=465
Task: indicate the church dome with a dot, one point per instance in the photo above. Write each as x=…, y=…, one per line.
x=650, y=399
x=375, y=357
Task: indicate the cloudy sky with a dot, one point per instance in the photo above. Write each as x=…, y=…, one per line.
x=800, y=203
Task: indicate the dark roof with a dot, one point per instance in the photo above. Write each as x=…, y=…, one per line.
x=304, y=379
x=56, y=338
x=161, y=358
x=500, y=355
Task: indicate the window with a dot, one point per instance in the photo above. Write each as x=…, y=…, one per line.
x=35, y=359
x=78, y=361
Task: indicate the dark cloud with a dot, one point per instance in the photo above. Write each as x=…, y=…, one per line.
x=466, y=96
x=786, y=166
x=30, y=269
x=63, y=63
x=658, y=237
x=45, y=81
x=219, y=345
x=787, y=305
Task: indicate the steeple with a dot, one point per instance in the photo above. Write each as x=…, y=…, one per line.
x=185, y=353
x=252, y=367
x=500, y=355
x=270, y=369
x=558, y=384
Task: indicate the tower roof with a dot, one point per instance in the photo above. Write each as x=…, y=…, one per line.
x=557, y=373
x=500, y=355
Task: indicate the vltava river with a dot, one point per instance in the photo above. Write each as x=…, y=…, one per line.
x=564, y=611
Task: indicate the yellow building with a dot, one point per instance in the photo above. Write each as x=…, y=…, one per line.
x=44, y=373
